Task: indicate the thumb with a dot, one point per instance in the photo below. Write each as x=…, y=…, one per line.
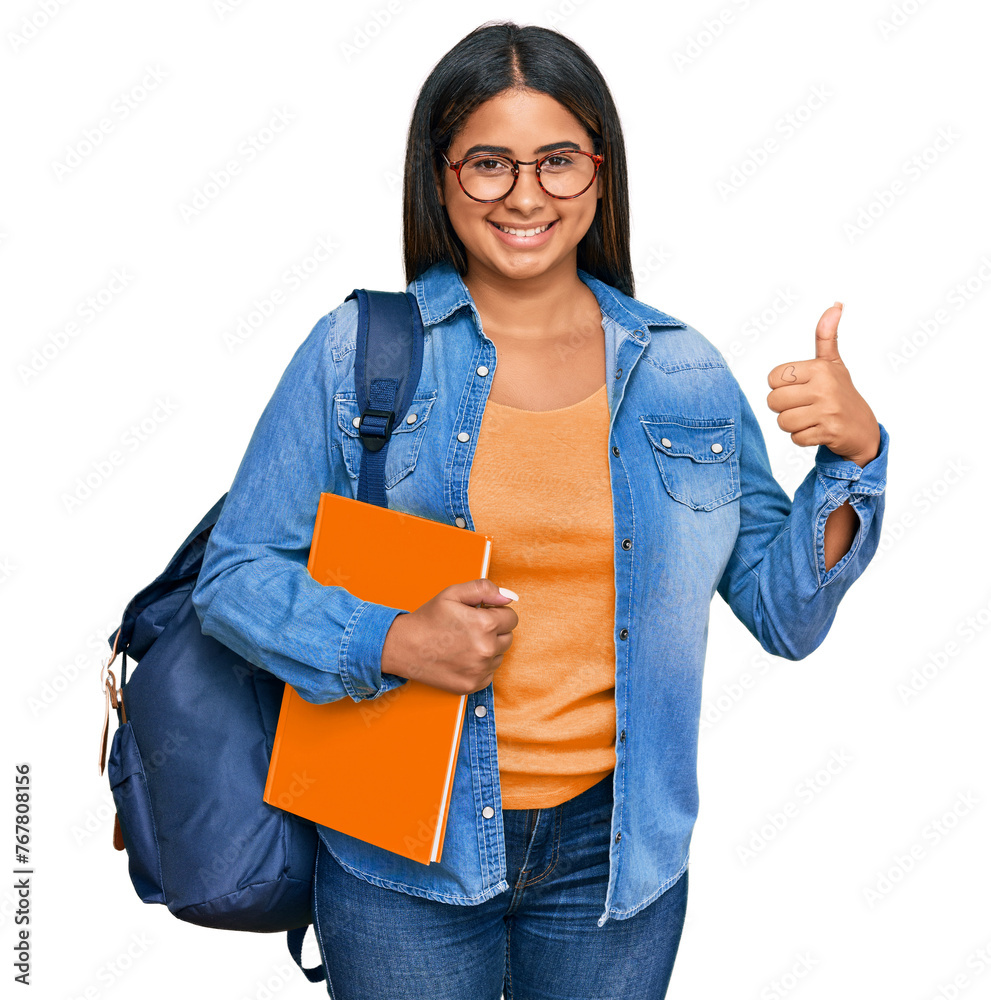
x=483, y=591
x=826, y=347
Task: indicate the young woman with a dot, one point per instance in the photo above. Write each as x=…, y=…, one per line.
x=611, y=454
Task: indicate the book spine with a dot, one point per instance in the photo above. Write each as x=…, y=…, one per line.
x=441, y=828
x=276, y=743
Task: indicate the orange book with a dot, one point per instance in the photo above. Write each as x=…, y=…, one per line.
x=380, y=770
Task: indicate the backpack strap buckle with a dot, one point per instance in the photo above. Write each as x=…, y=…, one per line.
x=375, y=428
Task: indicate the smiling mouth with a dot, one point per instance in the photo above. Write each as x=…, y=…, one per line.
x=519, y=231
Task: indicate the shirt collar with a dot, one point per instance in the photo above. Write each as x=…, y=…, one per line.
x=440, y=291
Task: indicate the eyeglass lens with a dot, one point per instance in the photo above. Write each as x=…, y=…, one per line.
x=563, y=174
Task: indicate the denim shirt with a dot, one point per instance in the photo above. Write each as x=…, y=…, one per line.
x=696, y=510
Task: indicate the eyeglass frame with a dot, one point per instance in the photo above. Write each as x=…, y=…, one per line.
x=596, y=158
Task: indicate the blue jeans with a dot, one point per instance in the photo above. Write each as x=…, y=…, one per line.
x=538, y=940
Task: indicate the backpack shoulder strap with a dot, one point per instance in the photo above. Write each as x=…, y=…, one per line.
x=294, y=940
x=387, y=370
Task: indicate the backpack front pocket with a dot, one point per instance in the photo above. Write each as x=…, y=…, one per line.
x=129, y=787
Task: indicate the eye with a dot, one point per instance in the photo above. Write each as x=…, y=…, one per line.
x=557, y=161
x=488, y=164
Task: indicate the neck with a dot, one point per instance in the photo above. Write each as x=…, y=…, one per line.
x=530, y=309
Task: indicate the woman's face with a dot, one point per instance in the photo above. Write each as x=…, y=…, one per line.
x=522, y=122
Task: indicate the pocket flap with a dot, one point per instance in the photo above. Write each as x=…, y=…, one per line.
x=348, y=413
x=700, y=439
x=125, y=758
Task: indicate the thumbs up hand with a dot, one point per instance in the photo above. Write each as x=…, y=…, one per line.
x=817, y=404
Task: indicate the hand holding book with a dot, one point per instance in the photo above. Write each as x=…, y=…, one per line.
x=456, y=640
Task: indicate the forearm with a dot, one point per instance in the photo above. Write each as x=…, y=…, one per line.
x=784, y=580
x=322, y=640
x=841, y=529
x=842, y=523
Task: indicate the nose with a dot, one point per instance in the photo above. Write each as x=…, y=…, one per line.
x=527, y=193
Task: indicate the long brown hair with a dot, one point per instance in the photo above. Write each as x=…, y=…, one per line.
x=493, y=58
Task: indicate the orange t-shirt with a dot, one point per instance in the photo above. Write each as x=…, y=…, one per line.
x=539, y=485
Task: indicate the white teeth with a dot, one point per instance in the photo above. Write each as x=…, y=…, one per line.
x=523, y=232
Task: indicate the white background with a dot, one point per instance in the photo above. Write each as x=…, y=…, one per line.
x=695, y=105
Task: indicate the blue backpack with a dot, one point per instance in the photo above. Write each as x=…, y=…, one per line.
x=199, y=837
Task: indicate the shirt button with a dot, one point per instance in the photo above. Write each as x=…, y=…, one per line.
x=666, y=442
x=481, y=370
x=619, y=837
x=623, y=633
x=488, y=812
x=464, y=436
x=627, y=543
x=619, y=372
x=460, y=522
x=717, y=447
x=615, y=451
x=622, y=736
x=411, y=419
x=356, y=422
x=480, y=711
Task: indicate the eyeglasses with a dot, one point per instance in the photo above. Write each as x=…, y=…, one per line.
x=563, y=173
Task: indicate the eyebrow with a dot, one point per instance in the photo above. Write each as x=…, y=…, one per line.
x=488, y=148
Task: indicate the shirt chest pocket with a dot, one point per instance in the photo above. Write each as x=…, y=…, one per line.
x=696, y=457
x=404, y=443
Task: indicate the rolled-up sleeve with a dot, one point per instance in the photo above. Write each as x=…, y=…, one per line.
x=254, y=592
x=776, y=580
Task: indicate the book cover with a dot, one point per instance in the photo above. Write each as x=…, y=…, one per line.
x=381, y=770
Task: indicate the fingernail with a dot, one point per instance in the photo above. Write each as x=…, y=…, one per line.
x=508, y=593
x=840, y=304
